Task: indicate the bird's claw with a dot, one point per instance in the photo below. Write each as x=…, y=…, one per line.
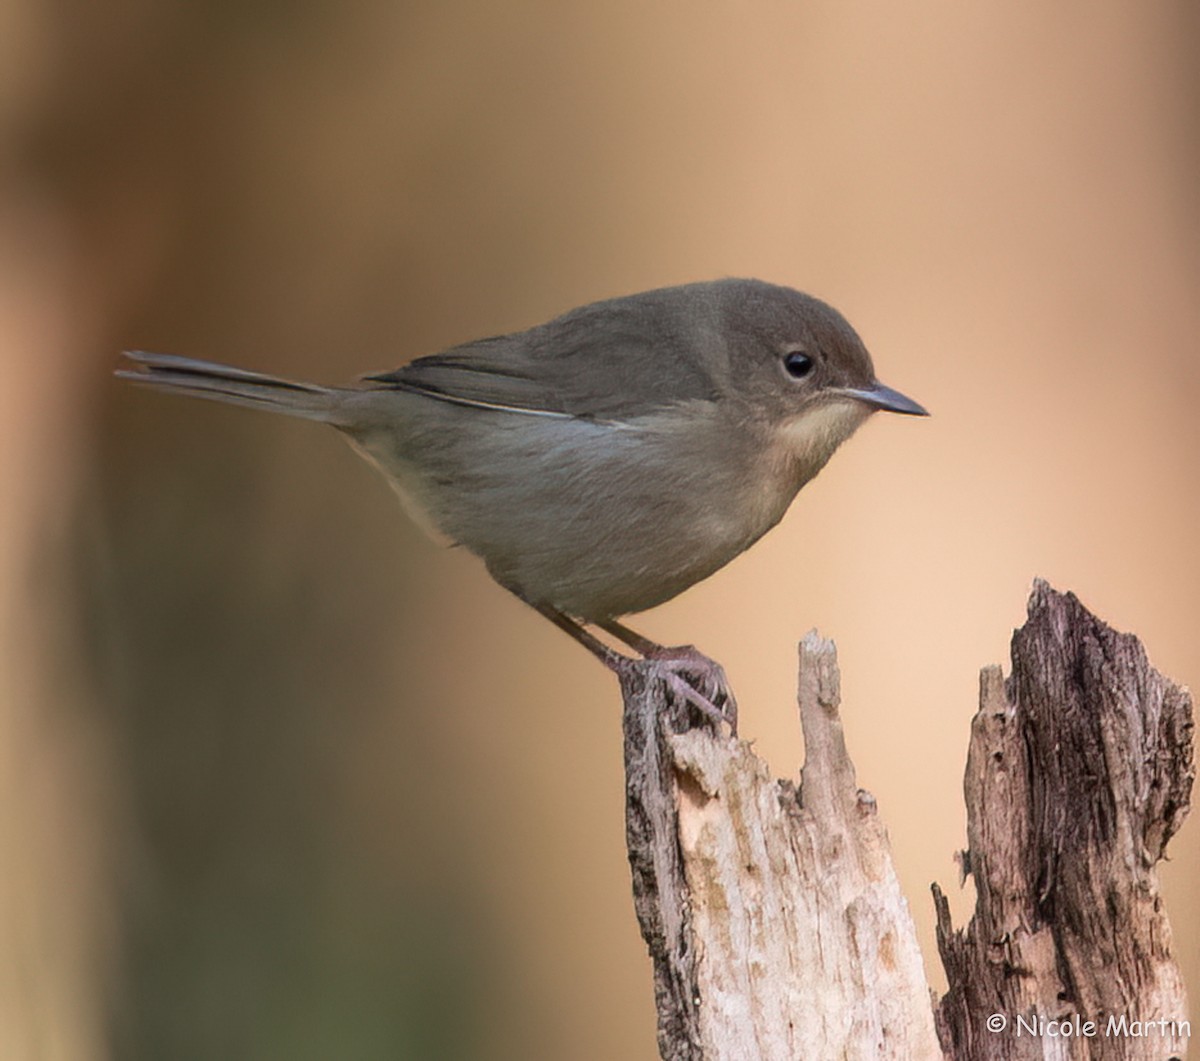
x=698, y=681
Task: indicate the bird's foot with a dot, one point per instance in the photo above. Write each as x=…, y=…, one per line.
x=697, y=680
x=692, y=677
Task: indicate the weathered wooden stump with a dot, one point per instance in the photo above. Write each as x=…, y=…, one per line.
x=772, y=911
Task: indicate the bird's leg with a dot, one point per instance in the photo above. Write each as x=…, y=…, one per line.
x=649, y=649
x=687, y=673
x=686, y=666
x=611, y=658
x=643, y=645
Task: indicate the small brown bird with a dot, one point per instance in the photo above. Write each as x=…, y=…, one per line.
x=607, y=460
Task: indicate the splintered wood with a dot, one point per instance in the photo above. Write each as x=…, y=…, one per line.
x=1080, y=770
x=772, y=911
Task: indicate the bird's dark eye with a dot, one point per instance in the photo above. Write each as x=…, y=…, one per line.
x=798, y=365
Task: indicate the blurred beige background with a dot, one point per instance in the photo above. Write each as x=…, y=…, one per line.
x=278, y=777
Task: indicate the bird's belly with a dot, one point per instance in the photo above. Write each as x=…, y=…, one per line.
x=597, y=520
x=620, y=570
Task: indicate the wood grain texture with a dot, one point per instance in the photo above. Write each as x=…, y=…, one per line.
x=1080, y=770
x=771, y=910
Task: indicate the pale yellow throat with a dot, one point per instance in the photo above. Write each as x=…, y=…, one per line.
x=811, y=436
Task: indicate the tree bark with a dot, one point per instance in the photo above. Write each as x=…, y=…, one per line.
x=1080, y=770
x=772, y=911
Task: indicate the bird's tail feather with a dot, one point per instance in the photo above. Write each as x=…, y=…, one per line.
x=224, y=383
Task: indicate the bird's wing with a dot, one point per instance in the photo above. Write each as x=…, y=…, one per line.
x=610, y=361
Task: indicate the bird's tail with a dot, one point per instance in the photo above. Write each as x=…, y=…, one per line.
x=223, y=383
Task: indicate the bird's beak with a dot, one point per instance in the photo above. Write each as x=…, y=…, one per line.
x=880, y=397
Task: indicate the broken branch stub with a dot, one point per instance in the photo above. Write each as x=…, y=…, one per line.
x=1080, y=770
x=771, y=910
